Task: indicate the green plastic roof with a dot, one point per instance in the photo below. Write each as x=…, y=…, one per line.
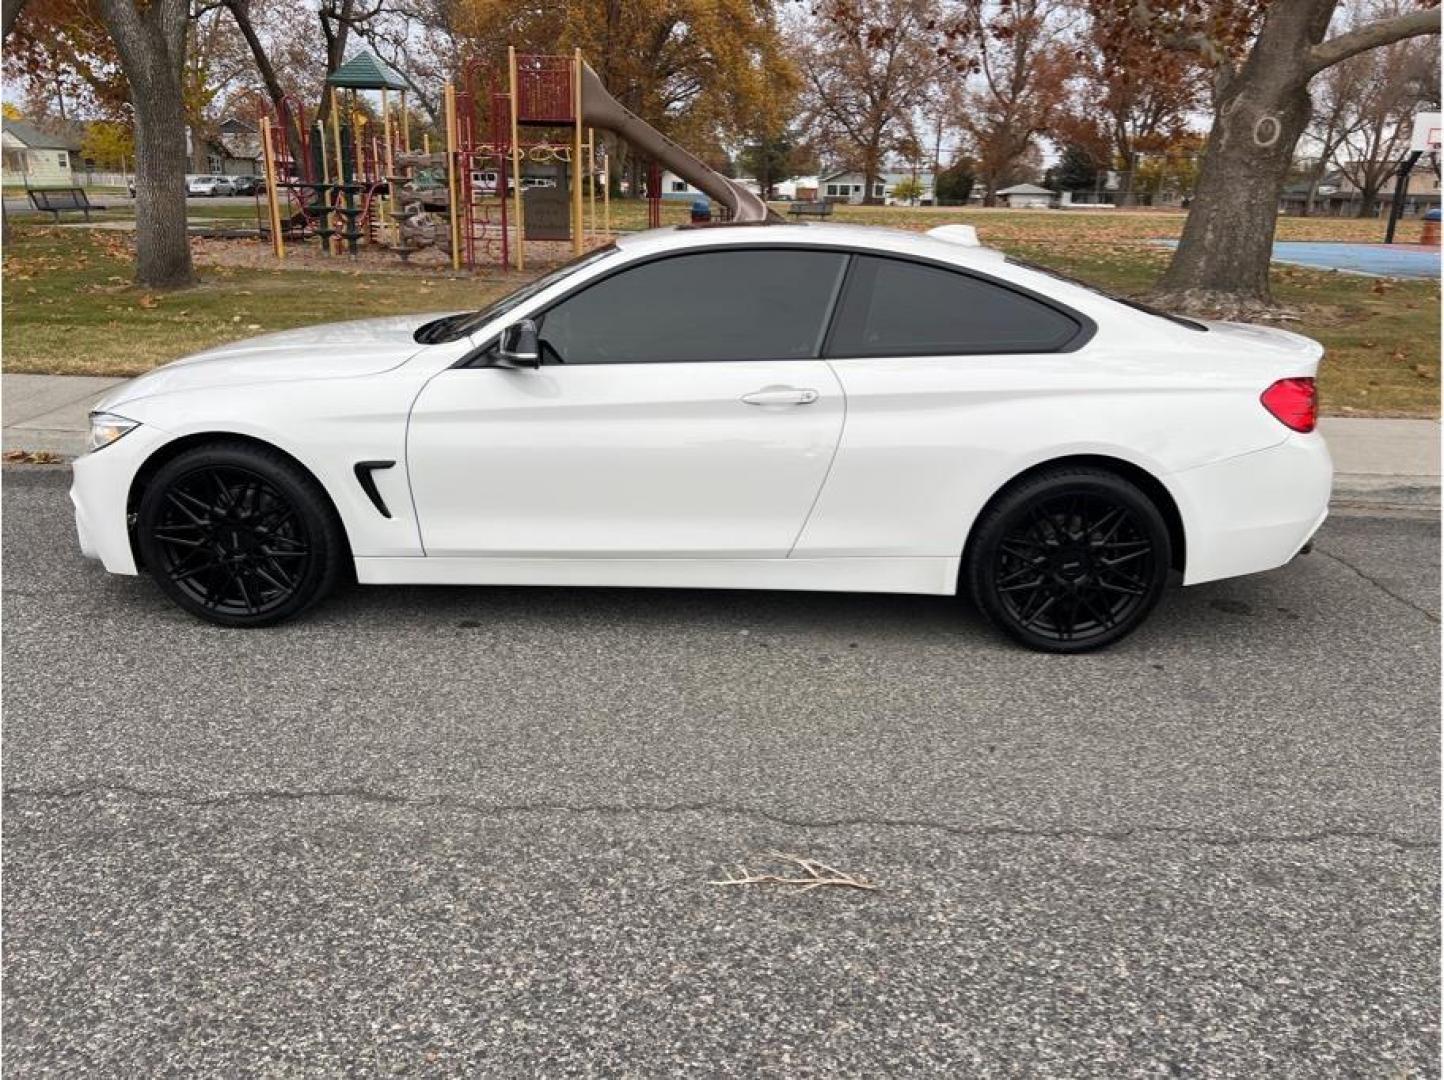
x=364, y=72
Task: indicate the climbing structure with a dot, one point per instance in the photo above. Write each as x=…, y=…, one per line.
x=521, y=163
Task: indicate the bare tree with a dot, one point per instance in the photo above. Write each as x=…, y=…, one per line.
x=865, y=73
x=1335, y=117
x=1393, y=83
x=1263, y=57
x=150, y=38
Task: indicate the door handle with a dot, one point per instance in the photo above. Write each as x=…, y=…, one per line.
x=781, y=395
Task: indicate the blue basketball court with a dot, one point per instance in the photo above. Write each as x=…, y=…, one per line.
x=1375, y=260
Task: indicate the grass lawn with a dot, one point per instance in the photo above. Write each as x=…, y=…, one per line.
x=69, y=307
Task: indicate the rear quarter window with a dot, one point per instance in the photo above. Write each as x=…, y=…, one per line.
x=892, y=307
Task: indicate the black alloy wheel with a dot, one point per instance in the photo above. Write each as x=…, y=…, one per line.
x=239, y=535
x=1069, y=560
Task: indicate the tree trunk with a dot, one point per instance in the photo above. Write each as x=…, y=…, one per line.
x=162, y=250
x=1222, y=261
x=869, y=175
x=150, y=42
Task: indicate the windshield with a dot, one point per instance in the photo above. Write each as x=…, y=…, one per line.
x=452, y=327
x=1127, y=301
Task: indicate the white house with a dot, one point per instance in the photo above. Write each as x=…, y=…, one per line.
x=849, y=186
x=676, y=189
x=35, y=159
x=1026, y=197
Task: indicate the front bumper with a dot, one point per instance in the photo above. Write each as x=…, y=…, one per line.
x=99, y=490
x=1256, y=511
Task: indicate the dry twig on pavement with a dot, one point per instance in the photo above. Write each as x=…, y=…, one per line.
x=818, y=874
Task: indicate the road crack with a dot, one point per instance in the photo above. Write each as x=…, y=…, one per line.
x=1137, y=834
x=1431, y=616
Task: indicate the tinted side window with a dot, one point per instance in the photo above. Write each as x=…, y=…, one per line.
x=713, y=305
x=896, y=308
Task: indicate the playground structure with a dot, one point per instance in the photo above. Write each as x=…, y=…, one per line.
x=480, y=199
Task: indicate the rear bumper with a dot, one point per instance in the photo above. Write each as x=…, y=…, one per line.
x=1253, y=512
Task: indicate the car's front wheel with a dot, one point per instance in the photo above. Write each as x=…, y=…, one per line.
x=1069, y=560
x=239, y=534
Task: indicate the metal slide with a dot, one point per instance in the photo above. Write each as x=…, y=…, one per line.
x=600, y=109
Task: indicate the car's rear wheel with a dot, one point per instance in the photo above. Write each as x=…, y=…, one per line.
x=239, y=535
x=1069, y=560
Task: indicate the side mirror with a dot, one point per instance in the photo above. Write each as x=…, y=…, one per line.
x=520, y=346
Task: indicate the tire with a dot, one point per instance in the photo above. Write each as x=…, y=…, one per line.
x=1069, y=560
x=239, y=535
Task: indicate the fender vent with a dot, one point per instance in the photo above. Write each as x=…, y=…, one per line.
x=364, y=477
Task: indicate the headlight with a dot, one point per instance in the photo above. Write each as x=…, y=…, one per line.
x=105, y=428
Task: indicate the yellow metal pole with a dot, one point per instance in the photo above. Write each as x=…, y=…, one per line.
x=607, y=197
x=592, y=182
x=453, y=196
x=405, y=125
x=273, y=208
x=323, y=194
x=520, y=225
x=387, y=201
x=577, y=242
x=336, y=242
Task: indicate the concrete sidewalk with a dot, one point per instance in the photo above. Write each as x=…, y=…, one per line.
x=1376, y=460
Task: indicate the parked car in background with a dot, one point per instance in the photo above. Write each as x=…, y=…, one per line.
x=484, y=182
x=210, y=186
x=246, y=185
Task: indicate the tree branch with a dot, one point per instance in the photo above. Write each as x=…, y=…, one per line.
x=1384, y=32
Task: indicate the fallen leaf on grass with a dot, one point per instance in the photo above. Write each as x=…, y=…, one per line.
x=147, y=301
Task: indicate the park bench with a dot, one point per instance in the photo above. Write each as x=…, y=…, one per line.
x=810, y=209
x=55, y=201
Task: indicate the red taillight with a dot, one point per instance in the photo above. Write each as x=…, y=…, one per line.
x=1293, y=403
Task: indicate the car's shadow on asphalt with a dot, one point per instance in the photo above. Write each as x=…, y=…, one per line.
x=1242, y=612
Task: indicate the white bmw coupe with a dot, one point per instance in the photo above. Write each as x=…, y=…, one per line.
x=814, y=407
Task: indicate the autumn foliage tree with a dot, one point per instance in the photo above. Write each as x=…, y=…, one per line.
x=866, y=71
x=1127, y=98
x=1021, y=67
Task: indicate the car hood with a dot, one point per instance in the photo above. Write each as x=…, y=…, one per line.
x=332, y=351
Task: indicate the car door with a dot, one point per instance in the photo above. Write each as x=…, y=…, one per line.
x=944, y=372
x=681, y=410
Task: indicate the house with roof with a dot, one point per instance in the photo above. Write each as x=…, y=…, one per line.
x=36, y=159
x=849, y=186
x=1337, y=196
x=1026, y=197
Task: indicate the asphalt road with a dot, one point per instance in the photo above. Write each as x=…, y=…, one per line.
x=444, y=831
